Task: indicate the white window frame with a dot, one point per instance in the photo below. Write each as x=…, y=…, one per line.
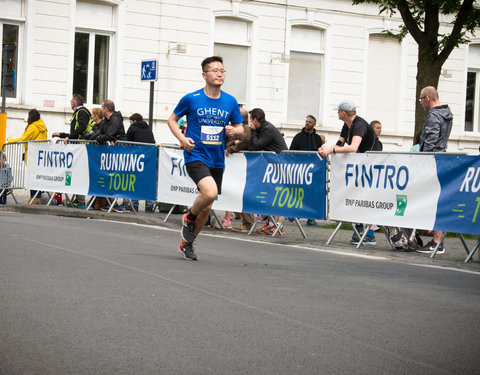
x=20, y=59
x=252, y=52
x=472, y=68
x=326, y=28
x=401, y=82
x=476, y=103
x=91, y=60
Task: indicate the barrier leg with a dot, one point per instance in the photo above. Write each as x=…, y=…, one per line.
x=300, y=228
x=470, y=255
x=259, y=218
x=217, y=219
x=362, y=237
x=131, y=206
x=50, y=200
x=334, y=233
x=34, y=197
x=277, y=226
x=13, y=196
x=387, y=233
x=169, y=213
x=92, y=201
x=465, y=246
x=438, y=245
x=112, y=204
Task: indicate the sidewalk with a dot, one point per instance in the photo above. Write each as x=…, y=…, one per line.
x=453, y=257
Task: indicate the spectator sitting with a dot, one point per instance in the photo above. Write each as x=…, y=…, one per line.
x=6, y=177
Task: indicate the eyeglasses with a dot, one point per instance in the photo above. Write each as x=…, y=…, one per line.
x=217, y=71
x=421, y=98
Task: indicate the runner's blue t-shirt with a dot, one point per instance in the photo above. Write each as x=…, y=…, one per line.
x=206, y=121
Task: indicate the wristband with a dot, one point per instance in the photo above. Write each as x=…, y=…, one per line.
x=333, y=149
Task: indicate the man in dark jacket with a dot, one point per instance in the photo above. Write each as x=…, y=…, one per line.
x=114, y=129
x=307, y=139
x=139, y=130
x=79, y=122
x=434, y=138
x=265, y=136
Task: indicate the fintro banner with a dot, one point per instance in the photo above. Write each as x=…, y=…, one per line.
x=439, y=192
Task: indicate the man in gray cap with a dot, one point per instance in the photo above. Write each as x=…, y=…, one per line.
x=359, y=136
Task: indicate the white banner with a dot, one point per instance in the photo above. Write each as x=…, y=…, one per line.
x=57, y=167
x=395, y=190
x=175, y=186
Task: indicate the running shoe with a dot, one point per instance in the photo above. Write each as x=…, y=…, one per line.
x=430, y=247
x=121, y=208
x=187, y=250
x=311, y=223
x=367, y=241
x=264, y=230
x=188, y=229
x=226, y=224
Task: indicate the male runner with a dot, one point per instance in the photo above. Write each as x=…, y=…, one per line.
x=209, y=112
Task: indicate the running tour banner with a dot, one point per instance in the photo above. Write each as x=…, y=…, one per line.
x=292, y=185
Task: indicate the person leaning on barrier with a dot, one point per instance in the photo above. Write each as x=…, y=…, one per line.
x=265, y=137
x=377, y=128
x=34, y=131
x=307, y=140
x=359, y=138
x=434, y=138
x=238, y=143
x=80, y=123
x=140, y=131
x=114, y=129
x=98, y=118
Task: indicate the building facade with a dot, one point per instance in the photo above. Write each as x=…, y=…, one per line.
x=291, y=58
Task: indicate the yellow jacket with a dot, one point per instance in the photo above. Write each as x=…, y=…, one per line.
x=36, y=131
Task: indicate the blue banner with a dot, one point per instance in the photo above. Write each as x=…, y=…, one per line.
x=458, y=207
x=123, y=171
x=291, y=185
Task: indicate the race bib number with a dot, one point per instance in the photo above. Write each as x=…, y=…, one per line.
x=212, y=135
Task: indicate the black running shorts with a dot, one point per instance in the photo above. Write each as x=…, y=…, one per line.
x=198, y=170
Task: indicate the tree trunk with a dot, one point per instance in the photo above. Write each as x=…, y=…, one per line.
x=428, y=74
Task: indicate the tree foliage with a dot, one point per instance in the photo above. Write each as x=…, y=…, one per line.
x=422, y=20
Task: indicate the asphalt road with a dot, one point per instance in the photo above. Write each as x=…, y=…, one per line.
x=82, y=296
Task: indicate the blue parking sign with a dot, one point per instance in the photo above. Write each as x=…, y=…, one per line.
x=149, y=70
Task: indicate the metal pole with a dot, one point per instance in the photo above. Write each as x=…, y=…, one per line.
x=4, y=76
x=150, y=113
